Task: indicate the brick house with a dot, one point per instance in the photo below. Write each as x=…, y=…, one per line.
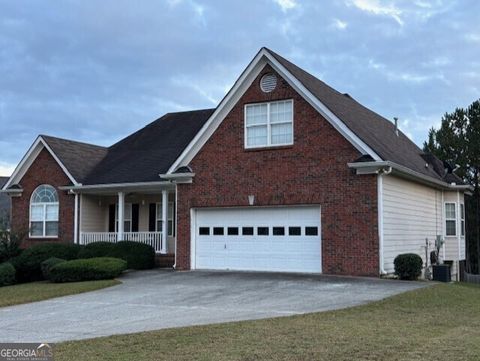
x=286, y=174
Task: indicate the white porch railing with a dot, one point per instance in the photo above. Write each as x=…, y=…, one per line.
x=153, y=239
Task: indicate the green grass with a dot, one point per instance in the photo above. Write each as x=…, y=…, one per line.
x=437, y=323
x=38, y=291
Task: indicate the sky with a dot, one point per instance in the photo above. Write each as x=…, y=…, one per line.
x=95, y=71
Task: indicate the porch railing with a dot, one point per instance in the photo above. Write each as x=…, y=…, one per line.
x=153, y=239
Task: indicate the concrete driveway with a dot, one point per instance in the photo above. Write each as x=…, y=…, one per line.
x=152, y=300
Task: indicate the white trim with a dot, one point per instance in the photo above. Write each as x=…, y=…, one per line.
x=115, y=186
x=193, y=244
x=44, y=220
x=121, y=215
x=374, y=167
x=28, y=160
x=443, y=225
x=262, y=58
x=459, y=231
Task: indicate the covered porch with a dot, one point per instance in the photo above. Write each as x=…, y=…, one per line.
x=139, y=214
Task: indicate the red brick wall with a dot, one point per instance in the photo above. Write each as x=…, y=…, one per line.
x=44, y=170
x=312, y=171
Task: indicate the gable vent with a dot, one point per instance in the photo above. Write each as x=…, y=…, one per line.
x=268, y=82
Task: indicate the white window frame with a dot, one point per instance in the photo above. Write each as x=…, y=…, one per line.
x=158, y=217
x=269, y=125
x=462, y=220
x=450, y=219
x=125, y=219
x=44, y=220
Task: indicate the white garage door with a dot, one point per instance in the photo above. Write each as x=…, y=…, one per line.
x=286, y=239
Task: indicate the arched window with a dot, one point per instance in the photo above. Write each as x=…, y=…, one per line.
x=44, y=212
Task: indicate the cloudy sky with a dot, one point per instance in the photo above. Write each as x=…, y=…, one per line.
x=97, y=70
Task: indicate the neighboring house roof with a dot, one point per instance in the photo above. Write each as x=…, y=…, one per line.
x=373, y=129
x=79, y=158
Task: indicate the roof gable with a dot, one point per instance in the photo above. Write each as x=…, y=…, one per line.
x=30, y=157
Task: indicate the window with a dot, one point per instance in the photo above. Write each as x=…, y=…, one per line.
x=44, y=212
x=247, y=231
x=450, y=219
x=262, y=231
x=462, y=219
x=204, y=231
x=171, y=230
x=294, y=231
x=232, y=231
x=269, y=124
x=278, y=231
x=127, y=218
x=218, y=231
x=311, y=231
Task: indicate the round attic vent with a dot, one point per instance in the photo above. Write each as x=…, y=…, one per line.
x=268, y=82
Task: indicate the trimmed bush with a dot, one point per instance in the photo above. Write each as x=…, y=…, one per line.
x=28, y=264
x=100, y=268
x=97, y=249
x=7, y=274
x=138, y=255
x=408, y=266
x=48, y=264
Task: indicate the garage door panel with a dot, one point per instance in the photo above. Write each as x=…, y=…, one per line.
x=278, y=250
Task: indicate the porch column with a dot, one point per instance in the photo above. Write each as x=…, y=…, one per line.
x=121, y=215
x=164, y=249
x=75, y=220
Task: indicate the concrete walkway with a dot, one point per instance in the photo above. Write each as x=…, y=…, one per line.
x=152, y=300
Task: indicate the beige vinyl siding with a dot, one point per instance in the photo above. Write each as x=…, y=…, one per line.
x=451, y=242
x=93, y=214
x=411, y=214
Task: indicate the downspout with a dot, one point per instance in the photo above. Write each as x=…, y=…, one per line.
x=175, y=225
x=380, y=175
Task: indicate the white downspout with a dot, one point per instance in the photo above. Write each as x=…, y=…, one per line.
x=175, y=225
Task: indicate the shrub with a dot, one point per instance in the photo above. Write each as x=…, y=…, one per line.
x=137, y=255
x=48, y=264
x=7, y=274
x=97, y=249
x=408, y=266
x=10, y=244
x=100, y=268
x=28, y=264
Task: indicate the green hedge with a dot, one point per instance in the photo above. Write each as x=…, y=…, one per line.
x=408, y=266
x=28, y=264
x=97, y=249
x=7, y=274
x=100, y=268
x=138, y=255
x=48, y=264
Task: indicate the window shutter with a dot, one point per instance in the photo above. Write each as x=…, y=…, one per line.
x=111, y=218
x=135, y=211
x=152, y=217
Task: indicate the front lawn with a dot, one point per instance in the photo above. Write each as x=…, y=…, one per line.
x=38, y=291
x=437, y=323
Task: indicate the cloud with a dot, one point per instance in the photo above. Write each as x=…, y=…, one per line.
x=286, y=5
x=6, y=169
x=383, y=8
x=339, y=24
